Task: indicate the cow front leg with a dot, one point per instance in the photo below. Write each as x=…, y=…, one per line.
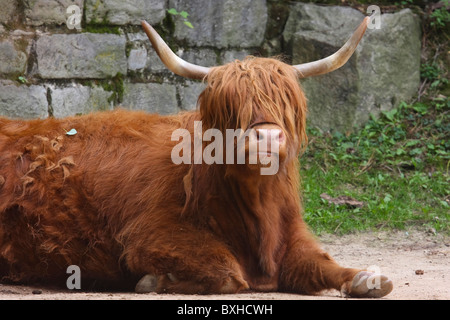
x=187, y=263
x=308, y=269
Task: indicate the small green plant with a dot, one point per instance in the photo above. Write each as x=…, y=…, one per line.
x=440, y=17
x=22, y=80
x=182, y=14
x=434, y=74
x=442, y=103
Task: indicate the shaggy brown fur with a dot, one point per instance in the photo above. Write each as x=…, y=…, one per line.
x=110, y=200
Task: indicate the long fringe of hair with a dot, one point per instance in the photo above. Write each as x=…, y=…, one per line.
x=243, y=92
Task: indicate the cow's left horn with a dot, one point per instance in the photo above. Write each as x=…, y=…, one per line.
x=336, y=60
x=170, y=59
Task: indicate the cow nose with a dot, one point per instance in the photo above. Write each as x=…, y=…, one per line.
x=269, y=136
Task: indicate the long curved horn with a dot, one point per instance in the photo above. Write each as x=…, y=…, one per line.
x=170, y=59
x=336, y=60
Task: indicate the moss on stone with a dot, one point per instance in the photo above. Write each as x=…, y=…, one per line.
x=102, y=28
x=114, y=85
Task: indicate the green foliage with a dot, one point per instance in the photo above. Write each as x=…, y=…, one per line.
x=398, y=165
x=440, y=17
x=434, y=74
x=182, y=14
x=22, y=79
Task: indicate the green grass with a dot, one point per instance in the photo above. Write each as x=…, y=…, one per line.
x=398, y=165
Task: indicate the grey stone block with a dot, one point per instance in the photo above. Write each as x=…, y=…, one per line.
x=227, y=23
x=189, y=93
x=151, y=97
x=121, y=12
x=79, y=100
x=85, y=56
x=23, y=102
x=137, y=59
x=39, y=12
x=202, y=57
x=229, y=56
x=332, y=20
x=154, y=63
x=13, y=62
x=8, y=10
x=383, y=70
x=142, y=56
x=390, y=62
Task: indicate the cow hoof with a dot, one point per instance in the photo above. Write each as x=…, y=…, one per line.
x=233, y=285
x=147, y=284
x=367, y=285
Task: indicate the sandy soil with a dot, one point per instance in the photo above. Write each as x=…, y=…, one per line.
x=418, y=263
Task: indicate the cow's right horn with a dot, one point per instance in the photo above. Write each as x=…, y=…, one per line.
x=336, y=60
x=170, y=59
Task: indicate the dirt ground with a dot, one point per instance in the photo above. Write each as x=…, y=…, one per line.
x=418, y=262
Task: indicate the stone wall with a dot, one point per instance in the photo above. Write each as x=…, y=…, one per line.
x=48, y=67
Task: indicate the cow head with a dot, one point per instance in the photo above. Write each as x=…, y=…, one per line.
x=261, y=95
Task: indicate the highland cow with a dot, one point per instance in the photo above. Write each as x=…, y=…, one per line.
x=110, y=200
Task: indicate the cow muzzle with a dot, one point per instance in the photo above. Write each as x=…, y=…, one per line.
x=269, y=139
x=266, y=147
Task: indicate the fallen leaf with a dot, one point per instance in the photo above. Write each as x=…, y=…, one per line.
x=343, y=200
